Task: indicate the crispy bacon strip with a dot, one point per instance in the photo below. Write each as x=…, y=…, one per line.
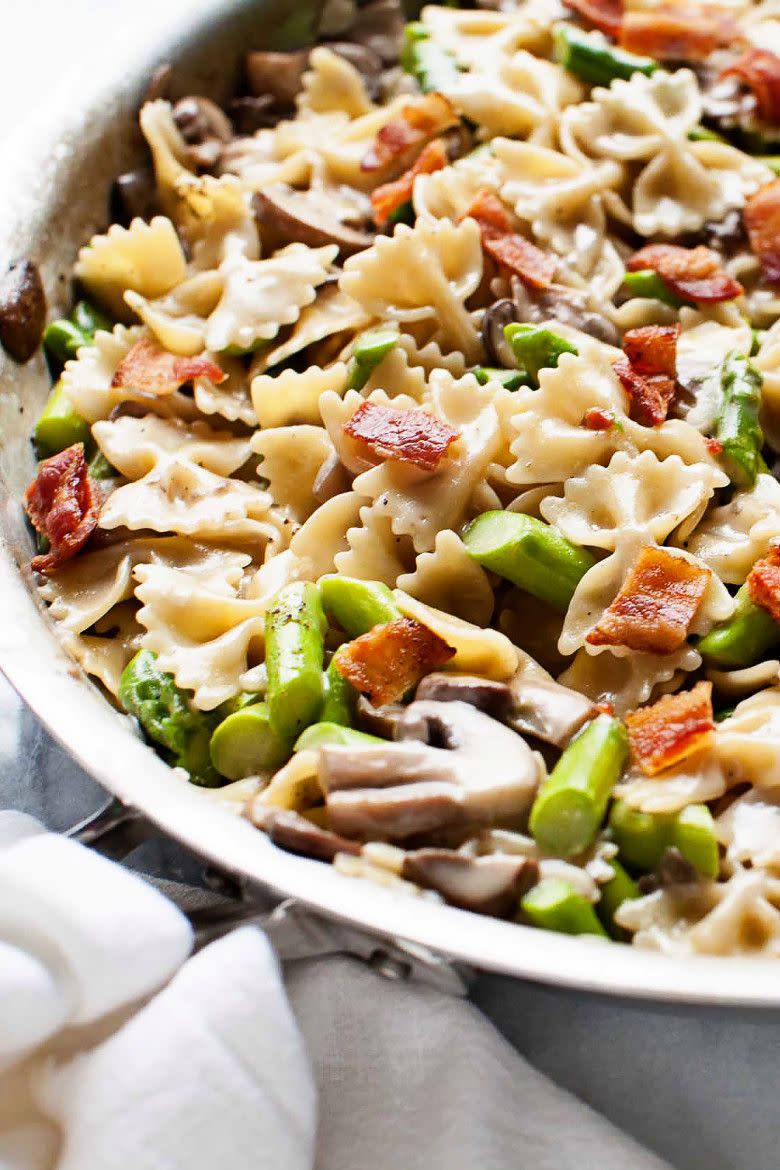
x=653, y=611
x=605, y=15
x=596, y=418
x=507, y=247
x=387, y=661
x=671, y=729
x=764, y=583
x=647, y=372
x=420, y=120
x=152, y=370
x=760, y=71
x=62, y=506
x=669, y=33
x=408, y=436
x=694, y=274
x=762, y=220
x=387, y=198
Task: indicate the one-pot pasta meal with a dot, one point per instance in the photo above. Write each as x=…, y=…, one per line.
x=410, y=470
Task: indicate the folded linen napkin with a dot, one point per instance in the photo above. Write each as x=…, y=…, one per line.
x=214, y=1066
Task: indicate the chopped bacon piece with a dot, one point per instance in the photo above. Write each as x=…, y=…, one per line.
x=764, y=583
x=678, y=34
x=152, y=370
x=420, y=120
x=673, y=728
x=596, y=419
x=762, y=220
x=409, y=436
x=647, y=373
x=652, y=349
x=508, y=248
x=387, y=661
x=62, y=506
x=694, y=274
x=650, y=394
x=760, y=71
x=605, y=15
x=653, y=611
x=389, y=197
x=714, y=446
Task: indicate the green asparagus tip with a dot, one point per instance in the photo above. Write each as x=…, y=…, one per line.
x=320, y=734
x=536, y=347
x=743, y=639
x=648, y=284
x=591, y=58
x=554, y=904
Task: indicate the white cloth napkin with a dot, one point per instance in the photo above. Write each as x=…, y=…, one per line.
x=214, y=1067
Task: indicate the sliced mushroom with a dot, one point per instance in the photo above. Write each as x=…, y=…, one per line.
x=380, y=26
x=673, y=870
x=567, y=305
x=250, y=114
x=494, y=698
x=483, y=774
x=498, y=351
x=290, y=831
x=22, y=310
x=486, y=885
x=331, y=480
x=379, y=720
x=545, y=709
x=277, y=74
x=294, y=216
x=204, y=127
x=134, y=196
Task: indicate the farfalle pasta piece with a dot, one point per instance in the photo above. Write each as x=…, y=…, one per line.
x=602, y=584
x=704, y=341
x=292, y=458
x=374, y=552
x=87, y=380
x=146, y=258
x=748, y=742
x=106, y=653
x=324, y=539
x=260, y=296
x=559, y=197
x=230, y=399
x=447, y=578
x=419, y=508
x=205, y=638
x=552, y=439
x=737, y=917
x=179, y=320
x=515, y=95
x=696, y=779
x=632, y=493
x=180, y=482
x=647, y=121
x=291, y=397
x=422, y=273
x=333, y=84
x=750, y=830
x=731, y=538
x=477, y=39
x=333, y=313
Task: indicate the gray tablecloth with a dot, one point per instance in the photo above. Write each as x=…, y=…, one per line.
x=698, y=1087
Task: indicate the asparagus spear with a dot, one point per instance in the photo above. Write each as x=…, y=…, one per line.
x=294, y=652
x=530, y=553
x=536, y=348
x=370, y=349
x=434, y=67
x=737, y=428
x=572, y=801
x=647, y=283
x=743, y=638
x=100, y=468
x=620, y=888
x=59, y=425
x=323, y=733
x=245, y=742
x=642, y=838
x=63, y=338
x=554, y=904
x=590, y=57
x=166, y=714
x=511, y=379
x=357, y=606
x=704, y=134
x=340, y=696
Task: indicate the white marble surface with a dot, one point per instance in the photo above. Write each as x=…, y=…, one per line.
x=699, y=1087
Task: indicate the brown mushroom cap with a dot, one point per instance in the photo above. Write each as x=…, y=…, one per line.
x=278, y=74
x=380, y=26
x=547, y=710
x=293, y=216
x=486, y=885
x=22, y=310
x=486, y=694
x=290, y=831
